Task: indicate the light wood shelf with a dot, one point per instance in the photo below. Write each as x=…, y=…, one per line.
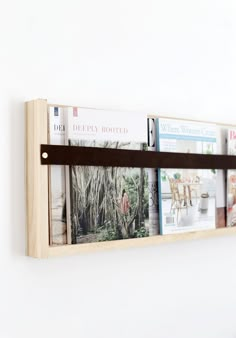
x=138, y=242
x=38, y=207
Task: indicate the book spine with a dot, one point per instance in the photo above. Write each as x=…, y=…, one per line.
x=57, y=204
x=231, y=181
x=221, y=185
x=67, y=116
x=158, y=177
x=152, y=182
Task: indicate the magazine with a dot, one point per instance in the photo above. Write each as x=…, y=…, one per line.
x=231, y=181
x=57, y=189
x=152, y=182
x=221, y=141
x=186, y=196
x=106, y=203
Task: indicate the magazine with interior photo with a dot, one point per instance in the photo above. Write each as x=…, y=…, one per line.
x=57, y=189
x=187, y=197
x=231, y=181
x=106, y=203
x=152, y=181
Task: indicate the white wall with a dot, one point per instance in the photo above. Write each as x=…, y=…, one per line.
x=172, y=57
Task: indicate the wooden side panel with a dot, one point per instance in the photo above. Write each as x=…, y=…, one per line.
x=36, y=180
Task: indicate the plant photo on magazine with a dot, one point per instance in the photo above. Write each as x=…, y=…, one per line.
x=108, y=203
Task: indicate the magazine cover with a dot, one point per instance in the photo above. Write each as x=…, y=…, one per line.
x=152, y=182
x=106, y=203
x=57, y=189
x=186, y=196
x=231, y=181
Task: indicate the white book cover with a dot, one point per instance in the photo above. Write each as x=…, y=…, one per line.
x=186, y=196
x=231, y=181
x=57, y=189
x=106, y=203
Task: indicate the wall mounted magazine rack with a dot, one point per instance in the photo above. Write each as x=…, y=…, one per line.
x=39, y=155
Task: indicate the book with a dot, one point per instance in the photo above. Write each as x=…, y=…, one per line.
x=106, y=203
x=152, y=182
x=186, y=196
x=57, y=189
x=231, y=180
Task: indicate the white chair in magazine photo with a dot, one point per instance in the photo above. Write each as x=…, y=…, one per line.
x=178, y=199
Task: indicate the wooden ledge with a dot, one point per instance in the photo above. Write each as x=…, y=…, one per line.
x=138, y=242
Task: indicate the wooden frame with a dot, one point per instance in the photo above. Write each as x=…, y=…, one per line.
x=37, y=199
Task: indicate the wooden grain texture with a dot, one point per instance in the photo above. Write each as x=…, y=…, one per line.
x=138, y=242
x=36, y=180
